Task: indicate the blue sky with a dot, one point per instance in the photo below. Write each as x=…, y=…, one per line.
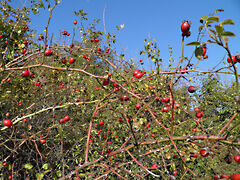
x=159, y=19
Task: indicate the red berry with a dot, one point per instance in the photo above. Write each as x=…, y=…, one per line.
x=191, y=89
x=1, y=35
x=6, y=42
x=135, y=72
x=223, y=176
x=114, y=84
x=75, y=22
x=7, y=122
x=64, y=61
x=101, y=123
x=182, y=71
x=105, y=82
x=26, y=73
x=204, y=51
x=124, y=97
x=109, y=74
x=139, y=75
x=96, y=40
x=196, y=109
x=165, y=109
x=204, y=153
x=235, y=176
x=175, y=172
x=237, y=158
x=216, y=177
x=120, y=120
x=233, y=58
x=71, y=60
x=4, y=164
x=154, y=166
x=198, y=120
x=153, y=135
x=138, y=106
x=194, y=129
x=42, y=141
x=199, y=114
x=48, y=52
x=165, y=99
x=205, y=57
x=148, y=125
x=66, y=118
x=185, y=27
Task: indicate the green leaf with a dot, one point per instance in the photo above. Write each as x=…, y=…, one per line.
x=28, y=166
x=59, y=173
x=228, y=33
x=45, y=166
x=209, y=41
x=204, y=18
x=198, y=53
x=39, y=176
x=219, y=29
x=213, y=18
x=200, y=27
x=227, y=21
x=214, y=32
x=225, y=39
x=194, y=43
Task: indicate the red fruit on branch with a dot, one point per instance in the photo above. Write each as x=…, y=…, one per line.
x=101, y=123
x=224, y=176
x=105, y=82
x=124, y=97
x=196, y=109
x=175, y=172
x=139, y=75
x=75, y=22
x=204, y=51
x=194, y=130
x=199, y=114
x=66, y=118
x=191, y=89
x=204, y=152
x=48, y=52
x=7, y=122
x=165, y=99
x=182, y=71
x=138, y=106
x=71, y=60
x=237, y=158
x=205, y=57
x=26, y=73
x=135, y=72
x=185, y=27
x=235, y=176
x=165, y=109
x=233, y=58
x=42, y=141
x=154, y=166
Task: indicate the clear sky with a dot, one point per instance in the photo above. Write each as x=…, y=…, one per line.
x=159, y=19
